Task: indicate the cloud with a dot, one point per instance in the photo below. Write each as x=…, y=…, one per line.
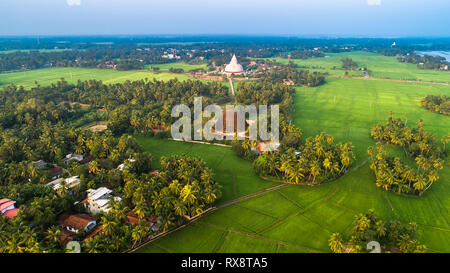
x=373, y=2
x=73, y=2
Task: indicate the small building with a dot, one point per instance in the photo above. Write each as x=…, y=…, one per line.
x=87, y=159
x=71, y=183
x=72, y=156
x=7, y=208
x=124, y=166
x=94, y=233
x=98, y=200
x=267, y=146
x=55, y=172
x=40, y=164
x=288, y=82
x=133, y=219
x=77, y=222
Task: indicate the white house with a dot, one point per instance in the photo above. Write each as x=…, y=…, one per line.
x=98, y=200
x=124, y=166
x=72, y=156
x=71, y=183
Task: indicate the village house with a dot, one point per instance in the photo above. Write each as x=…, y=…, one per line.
x=71, y=183
x=124, y=166
x=133, y=219
x=265, y=146
x=55, y=172
x=288, y=82
x=77, y=222
x=98, y=200
x=40, y=164
x=7, y=208
x=72, y=156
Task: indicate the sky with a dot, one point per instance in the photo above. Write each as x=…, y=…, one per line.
x=370, y=18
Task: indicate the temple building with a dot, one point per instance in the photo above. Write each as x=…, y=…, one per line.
x=234, y=67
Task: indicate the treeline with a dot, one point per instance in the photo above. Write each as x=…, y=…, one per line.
x=317, y=160
x=132, y=106
x=297, y=76
x=419, y=146
x=437, y=104
x=425, y=62
x=97, y=57
x=303, y=54
x=392, y=236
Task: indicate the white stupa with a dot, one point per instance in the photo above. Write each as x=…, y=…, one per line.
x=234, y=67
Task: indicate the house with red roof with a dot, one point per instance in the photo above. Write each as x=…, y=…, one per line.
x=7, y=208
x=76, y=222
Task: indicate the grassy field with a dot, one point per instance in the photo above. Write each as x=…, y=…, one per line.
x=380, y=67
x=301, y=219
x=185, y=66
x=47, y=76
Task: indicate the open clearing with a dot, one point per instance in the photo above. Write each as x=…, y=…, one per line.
x=299, y=218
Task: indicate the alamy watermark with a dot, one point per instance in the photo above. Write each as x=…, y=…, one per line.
x=231, y=125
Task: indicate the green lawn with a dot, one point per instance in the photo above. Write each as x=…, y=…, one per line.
x=380, y=66
x=47, y=76
x=301, y=219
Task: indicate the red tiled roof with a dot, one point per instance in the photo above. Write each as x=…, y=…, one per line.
x=11, y=213
x=66, y=236
x=94, y=233
x=87, y=159
x=155, y=172
x=4, y=203
x=158, y=129
x=55, y=170
x=132, y=218
x=77, y=221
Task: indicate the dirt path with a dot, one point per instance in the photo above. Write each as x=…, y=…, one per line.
x=229, y=203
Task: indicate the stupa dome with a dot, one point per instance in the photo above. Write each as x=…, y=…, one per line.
x=234, y=67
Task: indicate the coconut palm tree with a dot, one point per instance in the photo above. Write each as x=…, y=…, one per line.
x=335, y=243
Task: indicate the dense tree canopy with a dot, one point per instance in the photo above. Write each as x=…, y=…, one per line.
x=437, y=104
x=393, y=236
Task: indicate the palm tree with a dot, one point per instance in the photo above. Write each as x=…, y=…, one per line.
x=335, y=243
x=180, y=208
x=188, y=195
x=53, y=236
x=94, y=167
x=380, y=228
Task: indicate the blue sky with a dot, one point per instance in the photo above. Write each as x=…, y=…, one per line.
x=261, y=17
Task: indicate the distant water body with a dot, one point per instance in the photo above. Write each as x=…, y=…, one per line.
x=445, y=54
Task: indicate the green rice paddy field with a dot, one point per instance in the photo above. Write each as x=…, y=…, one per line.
x=46, y=76
x=380, y=67
x=300, y=218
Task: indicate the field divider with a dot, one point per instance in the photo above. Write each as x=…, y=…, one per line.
x=195, y=218
x=256, y=236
